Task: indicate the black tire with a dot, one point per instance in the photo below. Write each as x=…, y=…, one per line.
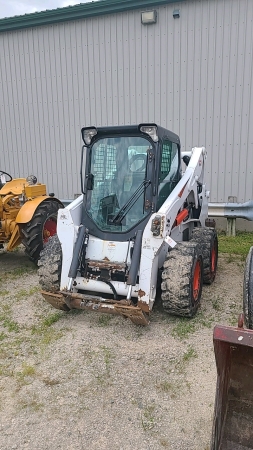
x=183, y=279
x=208, y=239
x=248, y=291
x=34, y=231
x=50, y=265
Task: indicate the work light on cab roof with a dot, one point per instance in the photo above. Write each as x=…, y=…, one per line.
x=88, y=134
x=151, y=130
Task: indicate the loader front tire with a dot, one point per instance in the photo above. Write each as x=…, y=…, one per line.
x=207, y=238
x=248, y=291
x=50, y=265
x=182, y=279
x=40, y=228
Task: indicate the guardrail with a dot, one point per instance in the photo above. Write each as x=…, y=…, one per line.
x=231, y=211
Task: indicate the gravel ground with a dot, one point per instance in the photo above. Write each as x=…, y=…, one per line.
x=88, y=381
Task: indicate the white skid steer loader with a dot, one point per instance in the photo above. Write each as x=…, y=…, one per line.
x=138, y=216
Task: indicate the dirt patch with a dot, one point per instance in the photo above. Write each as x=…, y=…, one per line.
x=82, y=380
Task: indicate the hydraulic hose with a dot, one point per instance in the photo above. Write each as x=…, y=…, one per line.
x=136, y=256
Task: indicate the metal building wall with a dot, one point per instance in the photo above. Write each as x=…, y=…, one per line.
x=192, y=75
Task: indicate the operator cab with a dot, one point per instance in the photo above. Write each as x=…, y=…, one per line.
x=130, y=172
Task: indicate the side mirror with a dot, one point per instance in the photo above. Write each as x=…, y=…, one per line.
x=90, y=182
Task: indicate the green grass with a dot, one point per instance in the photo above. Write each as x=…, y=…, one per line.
x=104, y=320
x=4, y=292
x=237, y=245
x=46, y=333
x=10, y=325
x=32, y=404
x=6, y=319
x=27, y=371
x=18, y=272
x=148, y=417
x=184, y=328
x=22, y=293
x=107, y=358
x=189, y=354
x=217, y=303
x=53, y=318
x=46, y=323
x=2, y=336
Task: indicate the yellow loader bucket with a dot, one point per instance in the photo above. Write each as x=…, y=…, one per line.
x=233, y=411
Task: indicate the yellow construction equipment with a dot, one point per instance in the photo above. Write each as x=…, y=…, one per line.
x=27, y=214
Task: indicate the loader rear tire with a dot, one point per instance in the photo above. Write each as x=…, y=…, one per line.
x=207, y=238
x=248, y=291
x=50, y=265
x=182, y=279
x=40, y=228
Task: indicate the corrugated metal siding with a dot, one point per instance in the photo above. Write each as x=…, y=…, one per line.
x=192, y=75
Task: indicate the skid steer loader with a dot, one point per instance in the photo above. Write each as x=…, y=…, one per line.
x=27, y=214
x=138, y=216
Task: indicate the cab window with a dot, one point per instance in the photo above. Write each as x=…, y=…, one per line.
x=169, y=171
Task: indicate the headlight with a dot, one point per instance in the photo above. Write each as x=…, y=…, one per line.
x=31, y=179
x=156, y=225
x=151, y=130
x=88, y=134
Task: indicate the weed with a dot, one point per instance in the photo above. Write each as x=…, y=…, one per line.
x=21, y=294
x=181, y=363
x=53, y=318
x=6, y=309
x=107, y=358
x=6, y=371
x=184, y=327
x=2, y=336
x=104, y=320
x=46, y=334
x=4, y=292
x=46, y=323
x=216, y=303
x=50, y=336
x=148, y=418
x=27, y=371
x=9, y=324
x=189, y=354
x=206, y=321
x=19, y=271
x=11, y=347
x=24, y=293
x=34, y=290
x=169, y=387
x=233, y=320
x=164, y=443
x=231, y=259
x=31, y=404
x=139, y=330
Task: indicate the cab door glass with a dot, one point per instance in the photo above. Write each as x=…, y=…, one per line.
x=169, y=171
x=118, y=166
